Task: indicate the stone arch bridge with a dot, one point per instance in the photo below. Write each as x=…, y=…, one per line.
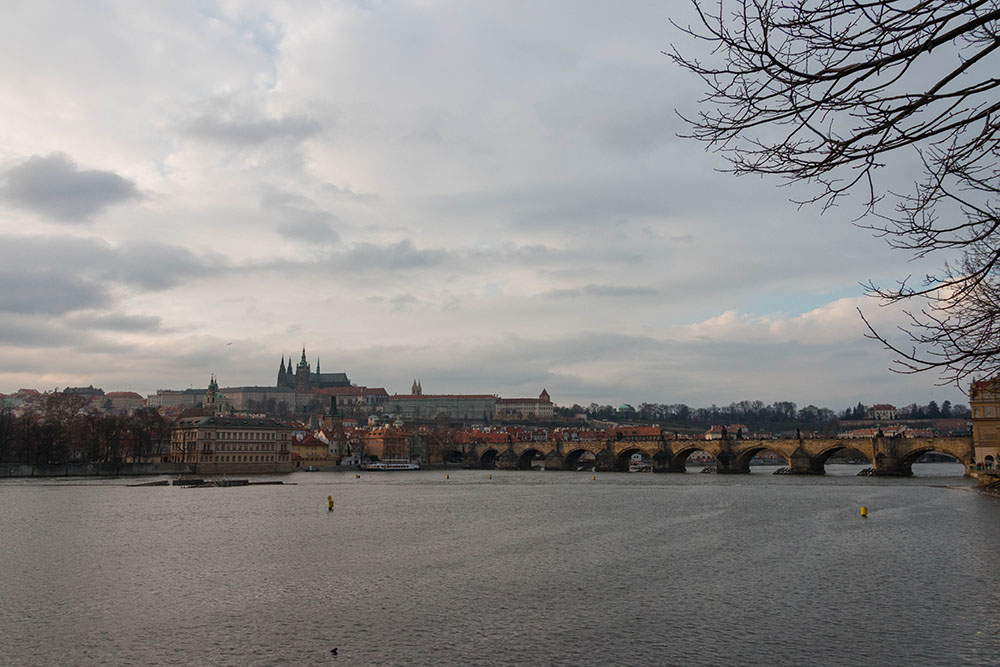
x=889, y=456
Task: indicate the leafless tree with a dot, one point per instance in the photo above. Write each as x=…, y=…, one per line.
x=838, y=93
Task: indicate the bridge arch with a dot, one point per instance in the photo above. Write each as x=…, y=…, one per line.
x=453, y=456
x=579, y=457
x=745, y=455
x=678, y=463
x=524, y=461
x=823, y=457
x=488, y=459
x=907, y=461
x=661, y=461
x=622, y=459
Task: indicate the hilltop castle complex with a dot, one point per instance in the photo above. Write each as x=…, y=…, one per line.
x=303, y=379
x=299, y=392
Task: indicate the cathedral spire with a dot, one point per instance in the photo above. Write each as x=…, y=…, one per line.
x=281, y=372
x=317, y=365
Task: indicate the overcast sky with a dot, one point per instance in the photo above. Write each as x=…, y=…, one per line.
x=490, y=197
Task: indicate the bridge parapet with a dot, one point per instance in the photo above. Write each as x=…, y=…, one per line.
x=888, y=456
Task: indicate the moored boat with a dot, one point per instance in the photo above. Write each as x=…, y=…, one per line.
x=390, y=464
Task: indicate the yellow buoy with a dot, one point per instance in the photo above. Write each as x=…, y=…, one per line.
x=491, y=475
x=329, y=503
x=447, y=476
x=357, y=476
x=864, y=511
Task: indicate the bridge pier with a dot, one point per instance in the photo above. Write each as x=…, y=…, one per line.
x=887, y=461
x=507, y=460
x=677, y=464
x=661, y=461
x=554, y=461
x=801, y=463
x=728, y=463
x=606, y=461
x=891, y=466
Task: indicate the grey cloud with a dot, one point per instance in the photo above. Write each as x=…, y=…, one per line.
x=562, y=263
x=48, y=292
x=55, y=187
x=244, y=130
x=56, y=275
x=155, y=266
x=302, y=219
x=636, y=132
x=397, y=256
x=399, y=302
x=309, y=231
x=349, y=193
x=37, y=331
x=601, y=205
x=116, y=322
x=612, y=291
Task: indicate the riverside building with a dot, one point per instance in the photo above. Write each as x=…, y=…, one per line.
x=984, y=399
x=232, y=444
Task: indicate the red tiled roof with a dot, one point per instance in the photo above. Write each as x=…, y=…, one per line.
x=122, y=394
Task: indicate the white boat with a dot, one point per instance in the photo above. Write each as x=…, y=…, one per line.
x=390, y=464
x=639, y=464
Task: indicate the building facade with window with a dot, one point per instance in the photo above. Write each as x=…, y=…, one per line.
x=984, y=399
x=530, y=409
x=217, y=445
x=472, y=407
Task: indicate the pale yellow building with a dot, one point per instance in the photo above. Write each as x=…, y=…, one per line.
x=120, y=401
x=232, y=444
x=531, y=409
x=311, y=452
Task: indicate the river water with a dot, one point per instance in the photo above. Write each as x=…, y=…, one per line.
x=524, y=568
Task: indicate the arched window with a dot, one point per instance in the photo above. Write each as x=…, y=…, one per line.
x=989, y=462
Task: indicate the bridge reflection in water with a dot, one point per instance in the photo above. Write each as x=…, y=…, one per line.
x=889, y=456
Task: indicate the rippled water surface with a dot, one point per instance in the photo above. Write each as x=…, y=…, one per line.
x=526, y=568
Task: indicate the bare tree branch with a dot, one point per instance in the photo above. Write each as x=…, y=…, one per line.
x=830, y=92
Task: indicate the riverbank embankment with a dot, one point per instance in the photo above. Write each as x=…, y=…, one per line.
x=95, y=469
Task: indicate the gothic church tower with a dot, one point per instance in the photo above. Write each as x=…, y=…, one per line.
x=302, y=373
